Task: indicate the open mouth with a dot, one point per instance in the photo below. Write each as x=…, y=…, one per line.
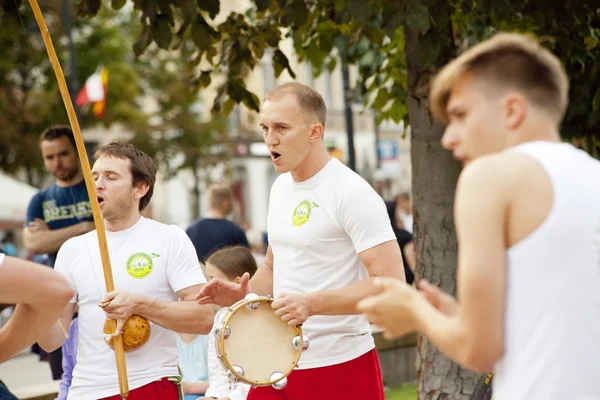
x=275, y=155
x=100, y=200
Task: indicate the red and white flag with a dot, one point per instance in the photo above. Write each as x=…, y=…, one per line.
x=94, y=91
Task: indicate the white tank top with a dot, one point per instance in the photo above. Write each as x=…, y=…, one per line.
x=552, y=311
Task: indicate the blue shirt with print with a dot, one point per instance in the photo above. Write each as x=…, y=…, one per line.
x=60, y=207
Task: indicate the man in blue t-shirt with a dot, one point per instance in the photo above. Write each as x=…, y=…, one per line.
x=216, y=231
x=60, y=211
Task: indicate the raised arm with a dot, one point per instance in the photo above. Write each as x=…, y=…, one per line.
x=225, y=293
x=41, y=295
x=471, y=331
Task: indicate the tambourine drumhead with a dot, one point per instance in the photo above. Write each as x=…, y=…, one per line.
x=258, y=341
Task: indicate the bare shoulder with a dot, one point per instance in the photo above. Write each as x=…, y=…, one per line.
x=501, y=173
x=513, y=182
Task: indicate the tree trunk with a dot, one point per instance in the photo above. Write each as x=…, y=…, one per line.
x=195, y=195
x=434, y=177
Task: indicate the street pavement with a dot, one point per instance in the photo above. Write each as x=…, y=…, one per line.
x=27, y=377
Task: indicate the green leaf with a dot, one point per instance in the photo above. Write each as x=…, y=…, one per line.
x=281, y=62
x=162, y=30
x=143, y=41
x=211, y=52
x=332, y=64
x=211, y=6
x=165, y=7
x=251, y=101
x=262, y=5
x=201, y=35
x=89, y=8
x=360, y=10
x=149, y=9
x=417, y=18
x=381, y=100
x=257, y=45
x=398, y=111
x=394, y=20
x=117, y=4
x=591, y=42
x=299, y=11
x=286, y=19
x=204, y=79
x=596, y=101
x=228, y=106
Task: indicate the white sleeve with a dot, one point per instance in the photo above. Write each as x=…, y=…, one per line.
x=183, y=269
x=218, y=382
x=364, y=217
x=2, y=255
x=64, y=266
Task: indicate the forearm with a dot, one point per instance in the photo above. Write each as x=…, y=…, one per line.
x=195, y=387
x=178, y=316
x=262, y=281
x=341, y=301
x=22, y=330
x=50, y=241
x=52, y=339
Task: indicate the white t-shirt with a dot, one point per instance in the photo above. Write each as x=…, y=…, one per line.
x=150, y=258
x=316, y=230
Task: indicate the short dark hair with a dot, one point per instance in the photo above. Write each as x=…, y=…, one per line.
x=143, y=168
x=233, y=261
x=58, y=131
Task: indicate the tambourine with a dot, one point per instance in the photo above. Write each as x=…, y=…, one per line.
x=255, y=345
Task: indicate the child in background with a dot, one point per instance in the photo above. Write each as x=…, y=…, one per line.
x=193, y=362
x=228, y=264
x=69, y=359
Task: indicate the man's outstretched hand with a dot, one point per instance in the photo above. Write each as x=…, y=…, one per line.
x=223, y=293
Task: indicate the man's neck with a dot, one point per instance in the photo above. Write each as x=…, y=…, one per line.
x=314, y=162
x=71, y=181
x=538, y=129
x=122, y=223
x=215, y=214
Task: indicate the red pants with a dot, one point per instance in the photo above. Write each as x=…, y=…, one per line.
x=358, y=379
x=158, y=390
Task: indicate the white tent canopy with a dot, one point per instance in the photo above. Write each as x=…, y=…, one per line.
x=14, y=199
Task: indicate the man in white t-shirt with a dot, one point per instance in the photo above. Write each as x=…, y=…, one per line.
x=40, y=295
x=153, y=265
x=329, y=234
x=527, y=214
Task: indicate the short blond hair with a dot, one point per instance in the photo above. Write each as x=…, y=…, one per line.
x=508, y=60
x=219, y=193
x=309, y=99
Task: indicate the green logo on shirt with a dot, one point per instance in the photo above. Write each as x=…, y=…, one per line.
x=302, y=212
x=139, y=265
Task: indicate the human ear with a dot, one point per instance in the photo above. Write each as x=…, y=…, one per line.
x=316, y=132
x=515, y=110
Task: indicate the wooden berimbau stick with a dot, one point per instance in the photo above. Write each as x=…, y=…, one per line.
x=89, y=183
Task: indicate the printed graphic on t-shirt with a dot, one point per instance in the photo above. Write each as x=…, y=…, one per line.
x=52, y=212
x=139, y=265
x=302, y=212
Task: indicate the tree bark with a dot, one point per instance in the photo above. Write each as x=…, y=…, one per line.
x=195, y=195
x=434, y=177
